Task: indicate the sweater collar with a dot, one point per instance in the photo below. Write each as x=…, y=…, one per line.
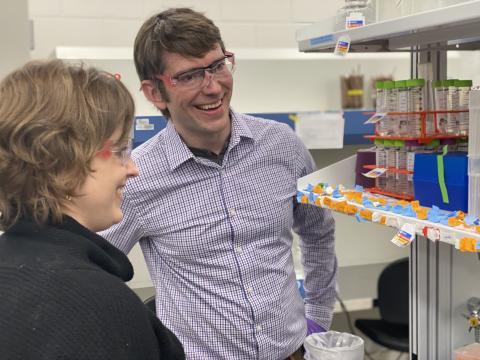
x=70, y=234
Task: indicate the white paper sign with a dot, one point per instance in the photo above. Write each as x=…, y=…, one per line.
x=320, y=130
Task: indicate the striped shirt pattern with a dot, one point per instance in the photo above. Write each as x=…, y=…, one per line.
x=217, y=241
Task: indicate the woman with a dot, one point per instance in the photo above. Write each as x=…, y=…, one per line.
x=64, y=159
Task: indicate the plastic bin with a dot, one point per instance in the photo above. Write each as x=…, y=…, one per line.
x=333, y=345
x=426, y=184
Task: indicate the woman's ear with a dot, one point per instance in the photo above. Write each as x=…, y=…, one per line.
x=153, y=94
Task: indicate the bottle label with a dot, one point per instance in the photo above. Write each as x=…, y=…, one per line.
x=354, y=20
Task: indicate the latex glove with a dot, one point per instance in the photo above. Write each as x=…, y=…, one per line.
x=313, y=327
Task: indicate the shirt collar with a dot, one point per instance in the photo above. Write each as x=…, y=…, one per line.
x=178, y=152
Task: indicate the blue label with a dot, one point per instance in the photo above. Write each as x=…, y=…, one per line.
x=321, y=39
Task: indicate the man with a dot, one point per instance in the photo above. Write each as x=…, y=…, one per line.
x=215, y=203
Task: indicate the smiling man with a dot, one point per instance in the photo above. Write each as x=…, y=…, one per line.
x=215, y=203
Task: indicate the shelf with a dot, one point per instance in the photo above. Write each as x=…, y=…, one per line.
x=391, y=169
x=447, y=24
x=391, y=194
x=421, y=140
x=462, y=237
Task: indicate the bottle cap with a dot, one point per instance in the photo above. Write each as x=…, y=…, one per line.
x=379, y=85
x=449, y=82
x=400, y=84
x=463, y=83
x=415, y=82
x=389, y=84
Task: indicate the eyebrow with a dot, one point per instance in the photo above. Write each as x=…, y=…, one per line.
x=198, y=68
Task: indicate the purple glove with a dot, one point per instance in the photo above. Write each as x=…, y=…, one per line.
x=313, y=327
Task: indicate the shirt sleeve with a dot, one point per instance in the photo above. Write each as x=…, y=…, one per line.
x=316, y=229
x=129, y=231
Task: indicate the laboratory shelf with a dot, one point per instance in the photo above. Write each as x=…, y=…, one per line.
x=390, y=169
x=392, y=194
x=421, y=140
x=457, y=25
x=367, y=206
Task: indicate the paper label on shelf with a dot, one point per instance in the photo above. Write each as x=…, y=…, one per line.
x=143, y=124
x=375, y=173
x=320, y=130
x=375, y=118
x=354, y=20
x=343, y=46
x=405, y=236
x=431, y=233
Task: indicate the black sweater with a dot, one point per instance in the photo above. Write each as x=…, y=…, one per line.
x=63, y=296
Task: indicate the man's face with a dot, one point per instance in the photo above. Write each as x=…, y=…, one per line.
x=198, y=113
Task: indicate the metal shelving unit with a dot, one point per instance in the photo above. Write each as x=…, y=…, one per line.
x=442, y=279
x=457, y=25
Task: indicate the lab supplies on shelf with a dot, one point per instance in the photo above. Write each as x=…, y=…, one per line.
x=456, y=228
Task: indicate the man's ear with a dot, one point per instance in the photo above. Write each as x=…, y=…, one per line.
x=153, y=94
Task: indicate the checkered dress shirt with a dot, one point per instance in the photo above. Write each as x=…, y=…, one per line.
x=217, y=241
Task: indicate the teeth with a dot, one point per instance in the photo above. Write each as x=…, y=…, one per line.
x=210, y=106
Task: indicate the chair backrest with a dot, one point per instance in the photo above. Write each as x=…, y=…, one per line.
x=393, y=292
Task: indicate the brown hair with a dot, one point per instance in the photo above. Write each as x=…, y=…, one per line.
x=54, y=117
x=181, y=31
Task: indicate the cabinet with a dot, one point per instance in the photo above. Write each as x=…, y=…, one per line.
x=441, y=278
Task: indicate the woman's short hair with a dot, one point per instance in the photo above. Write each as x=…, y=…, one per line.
x=180, y=31
x=54, y=117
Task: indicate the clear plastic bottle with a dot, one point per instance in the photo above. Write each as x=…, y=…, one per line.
x=382, y=126
x=381, y=162
x=391, y=155
x=401, y=178
x=463, y=88
x=402, y=120
x=452, y=104
x=440, y=100
x=411, y=148
x=390, y=105
x=416, y=103
x=356, y=10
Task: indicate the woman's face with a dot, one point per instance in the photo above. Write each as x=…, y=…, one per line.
x=96, y=204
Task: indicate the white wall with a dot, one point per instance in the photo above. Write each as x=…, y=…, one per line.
x=14, y=35
x=246, y=23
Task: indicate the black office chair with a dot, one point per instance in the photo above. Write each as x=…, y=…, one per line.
x=150, y=303
x=391, y=331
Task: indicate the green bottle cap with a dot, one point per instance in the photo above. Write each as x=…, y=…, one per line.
x=437, y=83
x=389, y=84
x=389, y=143
x=399, y=143
x=378, y=142
x=400, y=84
x=379, y=85
x=415, y=82
x=449, y=82
x=463, y=83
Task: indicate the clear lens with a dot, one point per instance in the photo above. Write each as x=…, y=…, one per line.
x=196, y=77
x=124, y=153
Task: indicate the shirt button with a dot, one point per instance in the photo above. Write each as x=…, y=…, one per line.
x=259, y=327
x=238, y=249
x=232, y=212
x=250, y=290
